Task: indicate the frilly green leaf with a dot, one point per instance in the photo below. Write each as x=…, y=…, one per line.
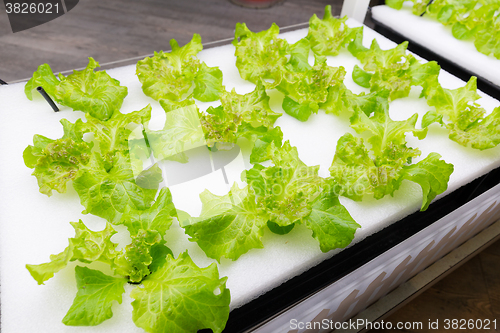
x=173, y=298
x=228, y=225
x=87, y=246
x=329, y=35
x=94, y=298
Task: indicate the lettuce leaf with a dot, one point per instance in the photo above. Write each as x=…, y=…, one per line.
x=355, y=173
x=487, y=37
x=330, y=34
x=332, y=225
x=180, y=297
x=42, y=77
x=396, y=4
x=361, y=77
x=178, y=74
x=182, y=131
x=145, y=254
x=158, y=217
x=45, y=271
x=228, y=225
x=264, y=146
x=448, y=12
x=290, y=192
x=252, y=108
x=56, y=162
x=94, y=298
x=432, y=174
x=260, y=55
x=278, y=196
x=385, y=133
x=59, y=162
x=170, y=75
x=159, y=253
x=340, y=100
x=95, y=93
x=32, y=154
x=113, y=134
x=74, y=130
x=147, y=228
x=87, y=246
x=208, y=83
x=299, y=56
x=457, y=110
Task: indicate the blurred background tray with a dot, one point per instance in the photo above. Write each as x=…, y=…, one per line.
x=433, y=41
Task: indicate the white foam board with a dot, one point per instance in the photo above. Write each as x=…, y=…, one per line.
x=33, y=226
x=438, y=38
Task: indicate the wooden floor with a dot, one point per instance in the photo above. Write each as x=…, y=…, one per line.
x=470, y=292
x=111, y=30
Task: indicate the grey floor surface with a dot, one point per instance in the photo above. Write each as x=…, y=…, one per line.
x=110, y=30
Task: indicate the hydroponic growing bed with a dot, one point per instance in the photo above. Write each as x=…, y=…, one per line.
x=34, y=225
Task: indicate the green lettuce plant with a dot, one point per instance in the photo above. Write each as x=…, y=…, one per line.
x=279, y=196
x=95, y=93
x=178, y=75
x=457, y=110
x=379, y=168
x=389, y=73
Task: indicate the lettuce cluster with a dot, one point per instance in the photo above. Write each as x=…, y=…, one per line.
x=389, y=73
x=111, y=183
x=379, y=168
x=279, y=196
x=262, y=56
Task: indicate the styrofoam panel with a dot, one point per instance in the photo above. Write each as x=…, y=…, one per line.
x=33, y=226
x=438, y=38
